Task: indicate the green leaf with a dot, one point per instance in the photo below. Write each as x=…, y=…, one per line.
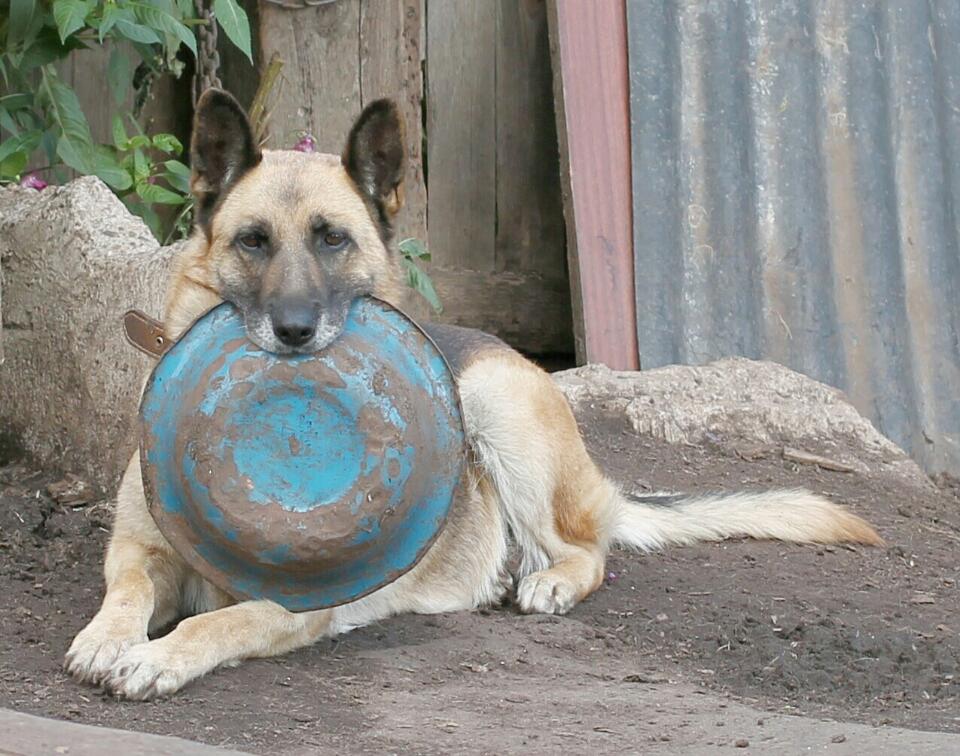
x=11, y=167
x=137, y=32
x=414, y=249
x=76, y=155
x=112, y=13
x=75, y=145
x=49, y=143
x=119, y=75
x=107, y=169
x=138, y=141
x=47, y=48
x=177, y=175
x=70, y=15
x=24, y=144
x=158, y=16
x=119, y=133
x=155, y=194
x=16, y=101
x=233, y=20
x=421, y=283
x=167, y=143
x=141, y=166
x=7, y=122
x=22, y=14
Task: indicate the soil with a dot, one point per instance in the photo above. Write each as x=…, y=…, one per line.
x=848, y=634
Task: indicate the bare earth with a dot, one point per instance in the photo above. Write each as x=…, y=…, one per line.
x=707, y=646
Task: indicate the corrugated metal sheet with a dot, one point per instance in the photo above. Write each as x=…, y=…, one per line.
x=796, y=177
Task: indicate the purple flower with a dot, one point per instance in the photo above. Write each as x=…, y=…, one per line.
x=33, y=181
x=306, y=144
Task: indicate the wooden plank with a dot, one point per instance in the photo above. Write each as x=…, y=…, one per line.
x=530, y=232
x=86, y=72
x=461, y=133
x=591, y=86
x=391, y=70
x=320, y=90
x=522, y=308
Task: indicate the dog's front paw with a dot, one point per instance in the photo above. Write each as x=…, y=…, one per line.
x=151, y=670
x=546, y=592
x=96, y=648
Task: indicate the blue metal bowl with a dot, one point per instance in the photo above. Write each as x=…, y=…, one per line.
x=309, y=480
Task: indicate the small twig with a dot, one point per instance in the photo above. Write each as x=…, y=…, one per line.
x=806, y=458
x=258, y=108
x=52, y=167
x=187, y=207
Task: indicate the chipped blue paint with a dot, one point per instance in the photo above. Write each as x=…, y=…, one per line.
x=350, y=457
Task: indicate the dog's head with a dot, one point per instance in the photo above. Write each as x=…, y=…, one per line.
x=292, y=238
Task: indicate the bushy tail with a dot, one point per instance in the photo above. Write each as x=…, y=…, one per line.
x=652, y=522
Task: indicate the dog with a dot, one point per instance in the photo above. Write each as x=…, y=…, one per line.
x=291, y=239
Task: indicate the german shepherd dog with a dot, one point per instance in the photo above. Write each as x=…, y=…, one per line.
x=290, y=239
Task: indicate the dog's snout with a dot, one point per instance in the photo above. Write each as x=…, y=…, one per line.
x=294, y=323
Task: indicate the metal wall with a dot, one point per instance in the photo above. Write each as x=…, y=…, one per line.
x=796, y=175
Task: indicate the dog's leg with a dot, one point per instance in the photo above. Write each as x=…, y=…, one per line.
x=142, y=579
x=202, y=643
x=555, y=500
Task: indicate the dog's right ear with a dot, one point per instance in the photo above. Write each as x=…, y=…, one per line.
x=223, y=147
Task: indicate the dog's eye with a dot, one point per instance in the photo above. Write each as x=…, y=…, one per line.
x=251, y=242
x=335, y=240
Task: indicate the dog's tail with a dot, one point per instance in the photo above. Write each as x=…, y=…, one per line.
x=652, y=522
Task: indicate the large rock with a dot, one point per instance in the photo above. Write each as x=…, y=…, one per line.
x=742, y=404
x=74, y=260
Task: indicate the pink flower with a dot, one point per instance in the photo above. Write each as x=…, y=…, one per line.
x=306, y=144
x=33, y=181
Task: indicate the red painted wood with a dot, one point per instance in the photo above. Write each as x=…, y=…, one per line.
x=590, y=38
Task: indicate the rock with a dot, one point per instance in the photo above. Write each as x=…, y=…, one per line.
x=74, y=260
x=738, y=402
x=71, y=491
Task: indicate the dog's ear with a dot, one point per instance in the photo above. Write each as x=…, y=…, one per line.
x=375, y=158
x=222, y=148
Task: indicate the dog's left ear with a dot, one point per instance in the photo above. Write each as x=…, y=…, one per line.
x=375, y=158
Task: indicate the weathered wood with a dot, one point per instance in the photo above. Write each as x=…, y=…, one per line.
x=320, y=90
x=589, y=51
x=389, y=69
x=521, y=308
x=461, y=132
x=86, y=72
x=530, y=232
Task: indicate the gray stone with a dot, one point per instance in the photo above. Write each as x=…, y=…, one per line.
x=74, y=260
x=23, y=733
x=739, y=402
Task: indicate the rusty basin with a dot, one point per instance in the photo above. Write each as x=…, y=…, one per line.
x=309, y=480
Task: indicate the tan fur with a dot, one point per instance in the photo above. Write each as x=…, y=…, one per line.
x=529, y=478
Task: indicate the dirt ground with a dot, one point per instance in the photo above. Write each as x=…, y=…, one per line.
x=847, y=634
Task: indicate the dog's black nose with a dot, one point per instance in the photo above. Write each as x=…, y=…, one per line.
x=294, y=323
